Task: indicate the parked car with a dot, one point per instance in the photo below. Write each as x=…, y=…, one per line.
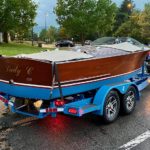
x=88, y=42
x=65, y=43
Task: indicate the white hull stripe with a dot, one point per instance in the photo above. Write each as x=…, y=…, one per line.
x=23, y=84
x=97, y=79
x=66, y=85
x=100, y=76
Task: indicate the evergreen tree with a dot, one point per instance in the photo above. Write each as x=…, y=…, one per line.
x=124, y=12
x=131, y=28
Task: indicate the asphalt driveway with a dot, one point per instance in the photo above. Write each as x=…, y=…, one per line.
x=86, y=133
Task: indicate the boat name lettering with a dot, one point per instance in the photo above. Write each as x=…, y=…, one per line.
x=14, y=70
x=29, y=70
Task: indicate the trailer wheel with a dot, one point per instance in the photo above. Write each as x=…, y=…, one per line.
x=111, y=107
x=129, y=101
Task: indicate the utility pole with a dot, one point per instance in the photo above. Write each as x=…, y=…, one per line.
x=46, y=15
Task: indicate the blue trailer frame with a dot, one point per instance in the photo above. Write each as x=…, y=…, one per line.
x=83, y=105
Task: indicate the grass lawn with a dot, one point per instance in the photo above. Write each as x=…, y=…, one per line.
x=16, y=48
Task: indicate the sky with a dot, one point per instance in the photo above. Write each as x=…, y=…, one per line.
x=45, y=10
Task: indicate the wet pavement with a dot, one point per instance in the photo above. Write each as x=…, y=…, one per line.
x=65, y=132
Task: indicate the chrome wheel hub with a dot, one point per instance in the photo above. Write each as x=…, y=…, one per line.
x=111, y=107
x=130, y=100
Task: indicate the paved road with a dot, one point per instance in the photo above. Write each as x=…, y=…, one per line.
x=86, y=133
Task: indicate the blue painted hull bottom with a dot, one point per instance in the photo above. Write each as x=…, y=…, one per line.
x=44, y=93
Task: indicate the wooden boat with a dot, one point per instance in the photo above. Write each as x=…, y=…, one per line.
x=36, y=76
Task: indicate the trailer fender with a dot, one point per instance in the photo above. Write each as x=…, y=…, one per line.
x=102, y=93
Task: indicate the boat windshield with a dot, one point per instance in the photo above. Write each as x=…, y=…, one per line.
x=104, y=41
x=115, y=40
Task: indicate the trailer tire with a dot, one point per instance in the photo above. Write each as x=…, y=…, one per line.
x=129, y=101
x=111, y=107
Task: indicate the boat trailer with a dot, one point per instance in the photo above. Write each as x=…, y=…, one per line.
x=107, y=101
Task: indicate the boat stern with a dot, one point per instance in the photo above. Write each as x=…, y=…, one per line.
x=26, y=78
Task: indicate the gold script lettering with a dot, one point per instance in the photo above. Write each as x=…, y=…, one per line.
x=14, y=70
x=29, y=70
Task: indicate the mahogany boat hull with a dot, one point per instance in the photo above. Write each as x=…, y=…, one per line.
x=28, y=78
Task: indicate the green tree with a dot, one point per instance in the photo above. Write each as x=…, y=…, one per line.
x=124, y=13
x=105, y=17
x=127, y=7
x=16, y=15
x=52, y=34
x=82, y=17
x=43, y=35
x=63, y=34
x=30, y=34
x=145, y=23
x=131, y=27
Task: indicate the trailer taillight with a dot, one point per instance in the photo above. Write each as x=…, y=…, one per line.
x=72, y=111
x=59, y=103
